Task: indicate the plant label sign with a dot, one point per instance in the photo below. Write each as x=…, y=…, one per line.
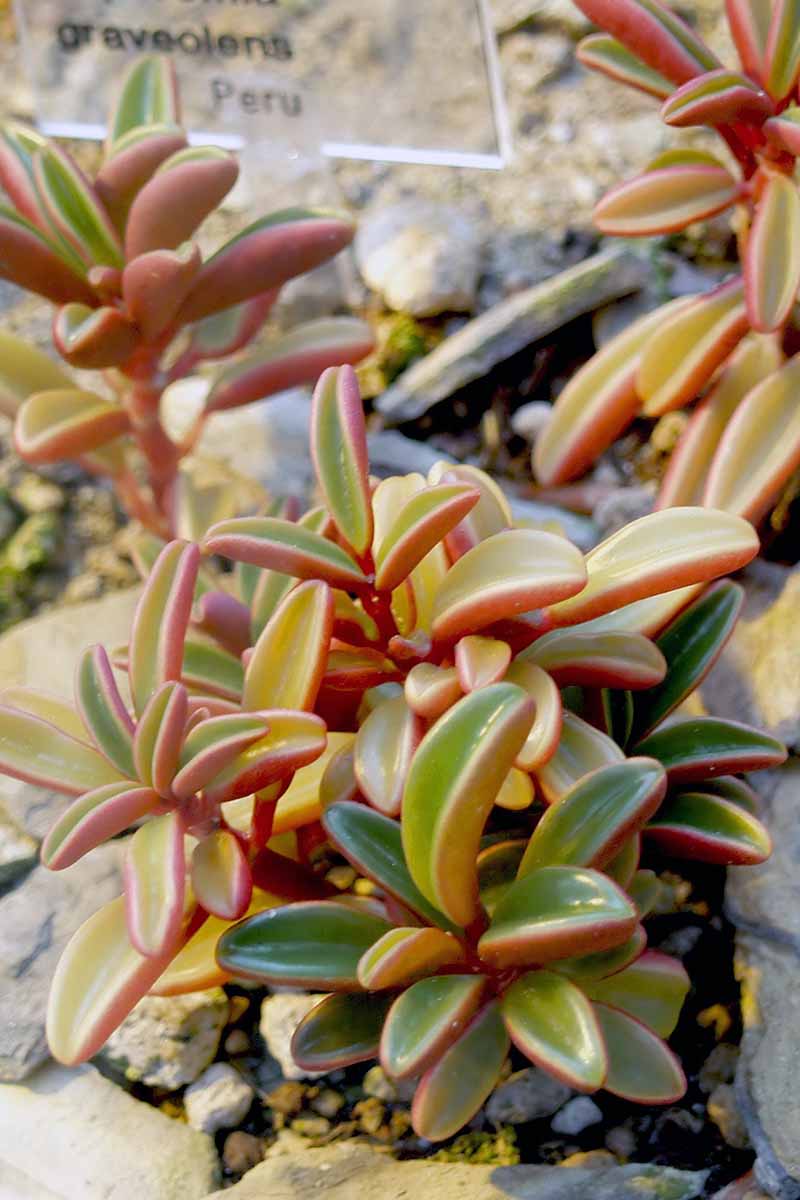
x=393, y=80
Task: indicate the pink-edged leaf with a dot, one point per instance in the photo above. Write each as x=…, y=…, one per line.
x=148, y=93
x=641, y=1066
x=92, y=338
x=103, y=710
x=760, y=448
x=384, y=747
x=545, y=731
x=508, y=573
x=782, y=55
x=481, y=661
x=155, y=885
x=589, y=824
x=652, y=990
x=597, y=659
x=93, y=818
x=490, y=515
x=38, y=752
x=681, y=357
x=666, y=200
x=406, y=954
x=749, y=23
x=425, y=1020
x=603, y=53
x=294, y=358
x=452, y=1091
x=357, y=668
x=284, y=546
x=98, y=980
x=24, y=369
x=647, y=616
x=701, y=825
x=581, y=749
x=54, y=425
x=155, y=285
x=33, y=262
x=784, y=129
x=597, y=404
x=290, y=657
x=516, y=791
x=772, y=262
x=211, y=745
x=74, y=209
x=161, y=620
x=589, y=967
x=221, y=876
x=210, y=669
x=294, y=739
x=654, y=34
x=339, y=453
x=557, y=912
x=224, y=618
x=423, y=522
x=47, y=707
x=553, y=1024
x=18, y=144
x=717, y=98
x=431, y=690
x=232, y=329
x=265, y=255
x=130, y=163
x=452, y=784
x=686, y=476
x=159, y=736
x=660, y=552
x=178, y=197
x=700, y=747
x=339, y=1031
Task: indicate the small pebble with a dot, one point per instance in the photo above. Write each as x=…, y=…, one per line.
x=370, y=1114
x=719, y=1067
x=328, y=1103
x=681, y=941
x=311, y=1127
x=287, y=1098
x=724, y=1112
x=238, y=1007
x=241, y=1152
x=576, y=1116
x=34, y=494
x=237, y=1042
x=364, y=887
x=530, y=419
x=621, y=1141
x=219, y=1099
x=526, y=1095
x=375, y=1083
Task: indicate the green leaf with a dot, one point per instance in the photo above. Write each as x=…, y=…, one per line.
x=702, y=747
x=641, y=1066
x=690, y=645
x=652, y=989
x=339, y=1031
x=74, y=210
x=210, y=669
x=160, y=622
x=557, y=912
x=497, y=869
x=148, y=97
x=311, y=944
x=103, y=710
x=581, y=749
x=592, y=821
x=456, y=1086
x=55, y=425
x=284, y=546
x=603, y=53
x=782, y=58
x=155, y=884
x=422, y=523
x=339, y=451
x=454, y=780
x=38, y=752
x=617, y=711
x=589, y=967
x=707, y=827
x=550, y=1020
x=654, y=34
x=427, y=1018
x=772, y=259
x=666, y=200
x=372, y=842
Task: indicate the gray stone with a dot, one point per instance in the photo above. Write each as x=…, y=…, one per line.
x=620, y=507
x=356, y=1172
x=756, y=678
x=18, y=851
x=421, y=258
x=724, y=1112
x=280, y=1016
x=509, y=327
x=219, y=1099
x=531, y=419
x=526, y=1095
x=529, y=63
x=167, y=1041
x=376, y=1083
x=576, y=1115
x=73, y=1135
x=37, y=919
x=511, y=14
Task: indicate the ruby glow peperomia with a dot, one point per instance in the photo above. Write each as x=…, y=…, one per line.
x=387, y=677
x=137, y=300
x=733, y=348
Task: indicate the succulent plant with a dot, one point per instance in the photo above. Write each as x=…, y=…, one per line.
x=733, y=348
x=396, y=676
x=137, y=301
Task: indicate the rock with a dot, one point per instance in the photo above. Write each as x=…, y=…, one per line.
x=621, y=1141
x=167, y=1041
x=589, y=1158
x=517, y=259
x=18, y=851
x=528, y=62
x=421, y=258
x=375, y=1083
x=370, y=1115
x=218, y=1099
x=620, y=507
x=526, y=1096
x=724, y=1112
x=242, y=1151
x=280, y=1016
x=328, y=1103
x=576, y=1115
x=237, y=1042
x=508, y=328
x=311, y=1127
x=719, y=1067
x=73, y=1135
x=37, y=919
x=287, y=1098
x=530, y=419
x=756, y=677
x=349, y=1169
x=511, y=14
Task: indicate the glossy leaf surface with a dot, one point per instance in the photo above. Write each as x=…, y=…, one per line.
x=339, y=1031
x=425, y=1019
x=641, y=1066
x=550, y=1020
